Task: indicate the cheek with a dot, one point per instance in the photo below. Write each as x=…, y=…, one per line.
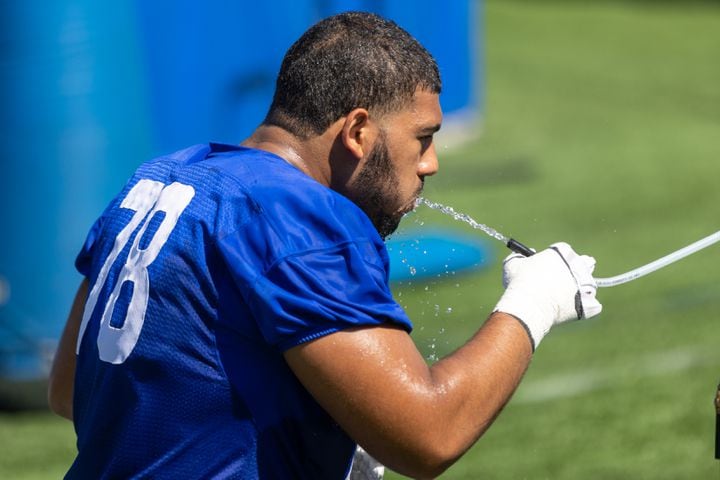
x=405, y=159
x=406, y=162
x=406, y=188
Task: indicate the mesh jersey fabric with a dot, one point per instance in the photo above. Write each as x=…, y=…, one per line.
x=261, y=259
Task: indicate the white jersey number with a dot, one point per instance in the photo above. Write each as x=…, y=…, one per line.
x=146, y=198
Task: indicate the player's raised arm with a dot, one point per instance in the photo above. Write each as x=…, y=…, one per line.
x=417, y=419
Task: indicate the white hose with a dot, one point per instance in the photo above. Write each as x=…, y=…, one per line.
x=659, y=263
x=601, y=282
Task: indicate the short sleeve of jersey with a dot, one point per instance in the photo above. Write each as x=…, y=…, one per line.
x=309, y=264
x=307, y=296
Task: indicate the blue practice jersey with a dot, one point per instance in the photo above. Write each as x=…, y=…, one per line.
x=209, y=265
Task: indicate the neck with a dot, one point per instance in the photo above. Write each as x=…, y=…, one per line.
x=307, y=156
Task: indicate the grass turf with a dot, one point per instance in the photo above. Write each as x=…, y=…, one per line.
x=602, y=128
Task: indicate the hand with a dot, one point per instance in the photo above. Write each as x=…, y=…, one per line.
x=549, y=288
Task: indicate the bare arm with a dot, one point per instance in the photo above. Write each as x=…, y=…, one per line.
x=415, y=419
x=62, y=374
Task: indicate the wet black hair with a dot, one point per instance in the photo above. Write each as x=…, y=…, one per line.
x=347, y=61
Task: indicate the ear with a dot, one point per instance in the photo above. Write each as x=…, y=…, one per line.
x=355, y=132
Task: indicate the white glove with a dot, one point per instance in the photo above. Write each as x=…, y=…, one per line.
x=548, y=288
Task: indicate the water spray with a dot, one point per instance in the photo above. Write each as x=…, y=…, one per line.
x=629, y=276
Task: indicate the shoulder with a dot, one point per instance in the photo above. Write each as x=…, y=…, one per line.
x=302, y=212
x=261, y=209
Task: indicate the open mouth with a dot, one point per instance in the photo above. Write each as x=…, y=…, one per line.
x=410, y=207
x=416, y=201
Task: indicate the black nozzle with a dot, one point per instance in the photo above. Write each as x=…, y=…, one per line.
x=518, y=247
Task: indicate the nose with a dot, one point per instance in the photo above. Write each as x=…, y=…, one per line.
x=429, y=164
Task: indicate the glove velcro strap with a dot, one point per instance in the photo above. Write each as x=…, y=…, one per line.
x=578, y=296
x=579, y=305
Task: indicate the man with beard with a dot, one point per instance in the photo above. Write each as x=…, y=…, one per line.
x=236, y=320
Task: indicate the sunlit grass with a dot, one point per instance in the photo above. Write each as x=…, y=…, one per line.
x=602, y=129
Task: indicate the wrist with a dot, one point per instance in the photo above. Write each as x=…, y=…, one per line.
x=523, y=325
x=534, y=314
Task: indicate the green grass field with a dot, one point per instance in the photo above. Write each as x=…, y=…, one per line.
x=602, y=128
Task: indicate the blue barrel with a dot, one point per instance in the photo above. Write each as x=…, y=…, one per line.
x=211, y=68
x=74, y=124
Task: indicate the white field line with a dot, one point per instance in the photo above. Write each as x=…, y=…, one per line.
x=579, y=382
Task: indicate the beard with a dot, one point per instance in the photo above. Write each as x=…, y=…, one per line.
x=376, y=190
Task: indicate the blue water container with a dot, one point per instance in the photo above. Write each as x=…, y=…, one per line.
x=74, y=124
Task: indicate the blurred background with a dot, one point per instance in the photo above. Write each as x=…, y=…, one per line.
x=596, y=123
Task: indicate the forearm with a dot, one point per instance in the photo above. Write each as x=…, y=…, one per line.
x=475, y=382
x=449, y=409
x=414, y=419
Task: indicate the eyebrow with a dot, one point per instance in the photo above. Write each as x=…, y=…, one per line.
x=429, y=130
